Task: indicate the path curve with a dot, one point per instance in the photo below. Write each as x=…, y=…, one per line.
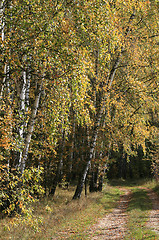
x=113, y=225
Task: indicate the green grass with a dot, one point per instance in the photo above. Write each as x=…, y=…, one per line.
x=156, y=189
x=138, y=212
x=131, y=183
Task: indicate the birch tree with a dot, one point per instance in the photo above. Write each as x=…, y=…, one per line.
x=123, y=31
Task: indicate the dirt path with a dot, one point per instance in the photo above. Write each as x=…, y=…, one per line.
x=153, y=222
x=113, y=226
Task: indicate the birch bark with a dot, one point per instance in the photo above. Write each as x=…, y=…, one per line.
x=21, y=122
x=30, y=127
x=2, y=25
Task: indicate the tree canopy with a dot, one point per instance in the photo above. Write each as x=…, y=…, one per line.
x=78, y=91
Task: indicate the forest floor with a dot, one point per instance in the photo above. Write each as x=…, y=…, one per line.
x=124, y=210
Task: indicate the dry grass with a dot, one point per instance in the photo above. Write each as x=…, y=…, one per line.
x=60, y=217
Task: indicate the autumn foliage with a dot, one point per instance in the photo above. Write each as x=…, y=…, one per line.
x=78, y=93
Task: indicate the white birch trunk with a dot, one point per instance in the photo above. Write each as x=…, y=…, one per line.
x=27, y=92
x=30, y=128
x=5, y=74
x=2, y=24
x=22, y=116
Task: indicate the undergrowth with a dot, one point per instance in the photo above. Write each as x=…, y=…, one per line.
x=60, y=217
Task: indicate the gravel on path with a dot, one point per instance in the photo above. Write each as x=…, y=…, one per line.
x=113, y=225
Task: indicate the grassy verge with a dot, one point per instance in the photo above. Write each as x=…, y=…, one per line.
x=131, y=183
x=156, y=188
x=154, y=185
x=138, y=211
x=60, y=217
